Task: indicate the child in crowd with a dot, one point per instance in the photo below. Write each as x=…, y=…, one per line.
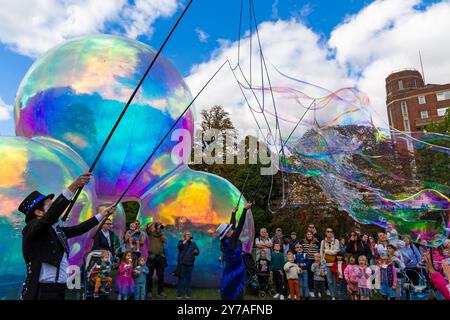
x=133, y=238
x=263, y=269
x=364, y=282
x=386, y=277
x=276, y=266
x=351, y=277
x=140, y=279
x=397, y=259
x=124, y=281
x=100, y=274
x=319, y=270
x=338, y=269
x=292, y=271
x=300, y=260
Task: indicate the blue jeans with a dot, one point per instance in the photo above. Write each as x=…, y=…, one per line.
x=303, y=283
x=139, y=291
x=184, y=280
x=331, y=280
x=341, y=290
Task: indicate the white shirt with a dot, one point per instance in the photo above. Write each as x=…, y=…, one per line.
x=48, y=272
x=339, y=265
x=106, y=234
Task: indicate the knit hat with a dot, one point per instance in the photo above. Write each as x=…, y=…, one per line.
x=223, y=229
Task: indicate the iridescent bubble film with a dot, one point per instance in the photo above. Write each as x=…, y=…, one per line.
x=75, y=92
x=377, y=174
x=25, y=166
x=198, y=202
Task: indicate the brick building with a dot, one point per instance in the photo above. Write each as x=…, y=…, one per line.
x=411, y=104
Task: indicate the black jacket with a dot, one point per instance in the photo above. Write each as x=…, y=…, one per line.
x=40, y=243
x=101, y=243
x=186, y=254
x=357, y=248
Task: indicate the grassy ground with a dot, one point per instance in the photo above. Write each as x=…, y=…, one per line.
x=203, y=294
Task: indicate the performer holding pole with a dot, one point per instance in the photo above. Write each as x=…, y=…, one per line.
x=233, y=277
x=44, y=245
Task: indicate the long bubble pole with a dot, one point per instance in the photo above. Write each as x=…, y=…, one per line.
x=160, y=143
x=91, y=169
x=243, y=187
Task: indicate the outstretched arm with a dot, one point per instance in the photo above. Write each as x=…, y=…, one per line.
x=87, y=225
x=233, y=216
x=240, y=226
x=58, y=207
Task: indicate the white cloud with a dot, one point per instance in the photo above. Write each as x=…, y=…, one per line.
x=137, y=19
x=5, y=110
x=383, y=37
x=202, y=35
x=33, y=27
x=387, y=36
x=288, y=45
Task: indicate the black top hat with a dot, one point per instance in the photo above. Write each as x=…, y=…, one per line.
x=31, y=202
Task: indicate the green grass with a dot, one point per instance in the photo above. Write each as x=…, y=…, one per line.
x=203, y=294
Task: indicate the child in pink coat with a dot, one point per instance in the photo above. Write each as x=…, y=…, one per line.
x=351, y=277
x=364, y=279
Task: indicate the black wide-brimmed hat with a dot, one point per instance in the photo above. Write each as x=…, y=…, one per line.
x=31, y=202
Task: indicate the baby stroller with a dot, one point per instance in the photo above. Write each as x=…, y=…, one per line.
x=419, y=291
x=257, y=282
x=92, y=258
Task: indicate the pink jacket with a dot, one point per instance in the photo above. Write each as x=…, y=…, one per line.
x=441, y=284
x=363, y=278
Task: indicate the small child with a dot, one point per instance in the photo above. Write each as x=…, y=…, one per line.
x=350, y=276
x=292, y=271
x=100, y=274
x=134, y=238
x=319, y=270
x=364, y=274
x=338, y=270
x=300, y=260
x=124, y=281
x=263, y=270
x=140, y=279
x=387, y=277
x=276, y=266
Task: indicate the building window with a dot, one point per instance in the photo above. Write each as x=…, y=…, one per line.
x=424, y=114
x=391, y=118
x=404, y=107
x=422, y=100
x=441, y=111
x=444, y=95
x=400, y=84
x=414, y=83
x=406, y=125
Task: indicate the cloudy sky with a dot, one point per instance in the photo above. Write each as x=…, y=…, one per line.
x=330, y=43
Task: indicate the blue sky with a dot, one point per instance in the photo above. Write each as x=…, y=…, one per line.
x=216, y=20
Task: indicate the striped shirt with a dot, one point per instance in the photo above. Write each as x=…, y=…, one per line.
x=310, y=249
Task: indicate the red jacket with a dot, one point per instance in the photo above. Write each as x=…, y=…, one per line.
x=334, y=269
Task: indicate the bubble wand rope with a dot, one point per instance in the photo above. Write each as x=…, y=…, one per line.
x=78, y=192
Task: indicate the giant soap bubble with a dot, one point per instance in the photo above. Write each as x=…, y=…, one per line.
x=189, y=200
x=379, y=175
x=75, y=93
x=26, y=166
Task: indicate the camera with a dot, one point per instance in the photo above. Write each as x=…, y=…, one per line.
x=159, y=226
